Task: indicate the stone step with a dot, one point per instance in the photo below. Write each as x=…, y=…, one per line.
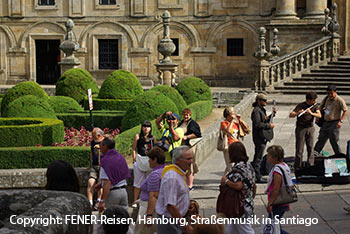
x=344, y=58
x=325, y=75
x=303, y=91
x=297, y=82
x=312, y=87
x=331, y=70
x=326, y=79
x=340, y=63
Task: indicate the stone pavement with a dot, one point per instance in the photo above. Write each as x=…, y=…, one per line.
x=324, y=203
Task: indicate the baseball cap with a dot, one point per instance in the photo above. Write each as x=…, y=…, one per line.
x=261, y=96
x=176, y=115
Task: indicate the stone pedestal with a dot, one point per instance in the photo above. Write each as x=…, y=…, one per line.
x=166, y=73
x=286, y=9
x=315, y=9
x=68, y=63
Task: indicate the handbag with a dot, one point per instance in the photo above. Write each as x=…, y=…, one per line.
x=231, y=202
x=272, y=227
x=287, y=194
x=222, y=142
x=319, y=121
x=142, y=163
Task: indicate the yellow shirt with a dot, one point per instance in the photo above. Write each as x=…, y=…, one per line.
x=165, y=132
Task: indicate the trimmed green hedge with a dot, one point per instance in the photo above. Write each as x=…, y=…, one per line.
x=41, y=157
x=62, y=104
x=201, y=109
x=19, y=90
x=101, y=119
x=75, y=83
x=194, y=89
x=30, y=106
x=108, y=104
x=0, y=103
x=124, y=140
x=15, y=132
x=148, y=105
x=173, y=95
x=120, y=84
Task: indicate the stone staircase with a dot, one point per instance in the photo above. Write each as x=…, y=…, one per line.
x=317, y=79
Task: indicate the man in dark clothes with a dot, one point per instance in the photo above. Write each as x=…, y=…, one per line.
x=260, y=121
x=305, y=130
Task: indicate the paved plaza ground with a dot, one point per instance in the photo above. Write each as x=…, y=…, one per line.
x=315, y=201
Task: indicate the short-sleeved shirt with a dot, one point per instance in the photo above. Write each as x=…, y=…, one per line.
x=143, y=146
x=166, y=132
x=94, y=152
x=104, y=176
x=173, y=191
x=234, y=131
x=306, y=120
x=333, y=108
x=152, y=182
x=246, y=175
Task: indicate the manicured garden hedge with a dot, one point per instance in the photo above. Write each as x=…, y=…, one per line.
x=201, y=109
x=108, y=104
x=19, y=90
x=62, y=104
x=75, y=83
x=194, y=89
x=15, y=132
x=101, y=119
x=41, y=157
x=30, y=106
x=120, y=84
x=147, y=106
x=173, y=95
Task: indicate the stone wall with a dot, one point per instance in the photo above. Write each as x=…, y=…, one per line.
x=17, y=205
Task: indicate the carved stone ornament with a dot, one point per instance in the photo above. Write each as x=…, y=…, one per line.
x=69, y=45
x=275, y=49
x=166, y=46
x=261, y=53
x=333, y=26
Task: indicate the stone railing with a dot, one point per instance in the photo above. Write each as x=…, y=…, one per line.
x=291, y=65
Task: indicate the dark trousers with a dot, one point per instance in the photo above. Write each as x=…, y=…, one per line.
x=279, y=210
x=329, y=131
x=260, y=146
x=304, y=136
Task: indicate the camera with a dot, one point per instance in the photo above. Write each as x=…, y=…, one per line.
x=170, y=117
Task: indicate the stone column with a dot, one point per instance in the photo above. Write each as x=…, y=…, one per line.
x=286, y=9
x=315, y=9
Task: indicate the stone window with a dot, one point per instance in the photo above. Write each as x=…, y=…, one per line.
x=108, y=2
x=108, y=54
x=235, y=47
x=176, y=42
x=46, y=2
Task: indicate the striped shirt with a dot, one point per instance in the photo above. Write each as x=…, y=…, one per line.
x=152, y=182
x=173, y=191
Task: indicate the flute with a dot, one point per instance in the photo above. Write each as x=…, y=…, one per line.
x=306, y=110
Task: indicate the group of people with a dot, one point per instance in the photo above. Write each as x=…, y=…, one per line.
x=332, y=111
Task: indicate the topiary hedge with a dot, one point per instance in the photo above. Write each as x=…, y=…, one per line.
x=173, y=94
x=101, y=119
x=75, y=83
x=194, y=89
x=124, y=140
x=120, y=84
x=108, y=104
x=201, y=109
x=62, y=104
x=0, y=104
x=16, y=132
x=30, y=106
x=147, y=106
x=19, y=90
x=41, y=157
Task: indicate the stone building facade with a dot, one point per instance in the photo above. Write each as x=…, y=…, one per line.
x=216, y=38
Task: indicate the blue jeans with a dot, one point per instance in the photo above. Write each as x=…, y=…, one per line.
x=279, y=211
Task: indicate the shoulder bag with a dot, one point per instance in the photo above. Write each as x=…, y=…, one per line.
x=319, y=121
x=222, y=141
x=231, y=202
x=287, y=194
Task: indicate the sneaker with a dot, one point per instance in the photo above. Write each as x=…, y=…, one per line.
x=261, y=180
x=191, y=188
x=95, y=207
x=134, y=205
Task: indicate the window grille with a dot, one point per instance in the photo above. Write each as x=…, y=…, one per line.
x=235, y=47
x=108, y=2
x=46, y=2
x=108, y=53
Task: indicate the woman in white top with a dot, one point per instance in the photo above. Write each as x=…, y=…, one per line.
x=275, y=155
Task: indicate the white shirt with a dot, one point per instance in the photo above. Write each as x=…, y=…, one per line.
x=287, y=173
x=104, y=176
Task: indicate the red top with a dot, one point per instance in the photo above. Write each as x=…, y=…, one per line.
x=233, y=131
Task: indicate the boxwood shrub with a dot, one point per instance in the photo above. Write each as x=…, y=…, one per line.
x=147, y=106
x=101, y=119
x=201, y=109
x=173, y=94
x=120, y=84
x=41, y=157
x=19, y=90
x=62, y=104
x=16, y=132
x=30, y=106
x=75, y=83
x=194, y=89
x=108, y=104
